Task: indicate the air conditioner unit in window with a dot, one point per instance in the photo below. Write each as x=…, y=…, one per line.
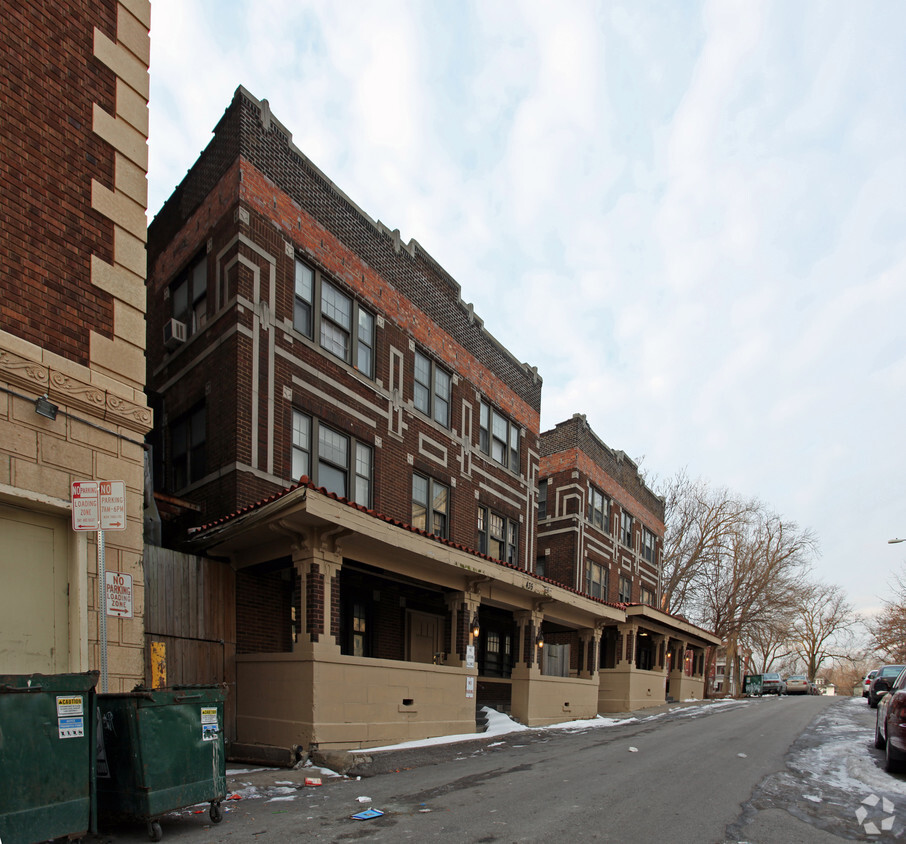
x=174, y=333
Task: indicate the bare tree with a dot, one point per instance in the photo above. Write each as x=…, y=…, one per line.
x=699, y=523
x=758, y=578
x=729, y=563
x=823, y=626
x=888, y=628
x=768, y=641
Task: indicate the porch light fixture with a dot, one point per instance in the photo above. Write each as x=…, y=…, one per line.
x=476, y=627
x=539, y=641
x=45, y=407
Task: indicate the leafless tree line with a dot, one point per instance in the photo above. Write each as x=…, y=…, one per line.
x=738, y=569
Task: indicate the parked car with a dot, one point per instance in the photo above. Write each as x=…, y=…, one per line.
x=772, y=684
x=797, y=684
x=890, y=733
x=882, y=682
x=866, y=681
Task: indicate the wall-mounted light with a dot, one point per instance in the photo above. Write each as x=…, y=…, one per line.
x=45, y=407
x=476, y=627
x=539, y=640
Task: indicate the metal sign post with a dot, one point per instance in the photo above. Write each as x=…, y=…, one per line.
x=100, y=506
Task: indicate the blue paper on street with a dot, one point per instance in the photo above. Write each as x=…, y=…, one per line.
x=367, y=815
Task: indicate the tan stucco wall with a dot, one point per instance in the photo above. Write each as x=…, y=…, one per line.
x=627, y=689
x=538, y=700
x=683, y=687
x=284, y=700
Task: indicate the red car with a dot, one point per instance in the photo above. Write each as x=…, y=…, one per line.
x=890, y=726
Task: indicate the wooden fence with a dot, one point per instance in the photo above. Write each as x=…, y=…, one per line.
x=190, y=608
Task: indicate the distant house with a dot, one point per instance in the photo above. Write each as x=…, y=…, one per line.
x=358, y=459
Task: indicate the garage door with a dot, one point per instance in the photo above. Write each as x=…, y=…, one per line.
x=34, y=607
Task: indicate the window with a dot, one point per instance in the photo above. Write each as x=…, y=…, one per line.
x=430, y=505
x=187, y=448
x=596, y=580
x=625, y=590
x=498, y=537
x=432, y=390
x=599, y=509
x=542, y=500
x=498, y=437
x=331, y=459
x=647, y=597
x=342, y=326
x=649, y=544
x=189, y=296
x=626, y=529
x=541, y=566
x=359, y=629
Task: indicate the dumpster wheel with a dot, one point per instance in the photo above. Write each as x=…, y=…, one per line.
x=155, y=833
x=216, y=812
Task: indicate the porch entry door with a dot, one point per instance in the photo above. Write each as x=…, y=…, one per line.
x=425, y=635
x=34, y=602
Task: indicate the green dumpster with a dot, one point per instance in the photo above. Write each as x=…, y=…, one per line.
x=752, y=685
x=47, y=756
x=159, y=751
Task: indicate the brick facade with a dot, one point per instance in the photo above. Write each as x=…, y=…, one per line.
x=573, y=460
x=73, y=197
x=253, y=206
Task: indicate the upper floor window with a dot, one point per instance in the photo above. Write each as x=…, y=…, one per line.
x=599, y=509
x=499, y=437
x=430, y=505
x=625, y=590
x=597, y=580
x=432, y=389
x=649, y=545
x=626, y=529
x=331, y=459
x=647, y=597
x=542, y=500
x=498, y=536
x=344, y=328
x=187, y=447
x=189, y=296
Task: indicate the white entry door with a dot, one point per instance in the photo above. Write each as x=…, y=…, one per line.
x=34, y=604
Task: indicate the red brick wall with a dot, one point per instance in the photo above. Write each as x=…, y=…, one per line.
x=264, y=599
x=48, y=158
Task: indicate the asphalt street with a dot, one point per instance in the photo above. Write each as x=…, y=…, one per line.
x=737, y=772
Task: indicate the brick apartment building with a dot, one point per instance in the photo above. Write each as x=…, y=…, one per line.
x=600, y=531
x=73, y=164
x=340, y=431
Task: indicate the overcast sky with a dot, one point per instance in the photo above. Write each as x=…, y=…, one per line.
x=691, y=217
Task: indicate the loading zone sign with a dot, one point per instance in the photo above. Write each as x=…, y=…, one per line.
x=98, y=505
x=119, y=594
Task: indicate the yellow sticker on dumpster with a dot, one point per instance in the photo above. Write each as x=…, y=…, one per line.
x=68, y=705
x=208, y=714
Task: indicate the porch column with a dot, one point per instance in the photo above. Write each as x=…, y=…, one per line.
x=591, y=644
x=660, y=651
x=626, y=644
x=463, y=607
x=317, y=560
x=528, y=624
x=526, y=668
